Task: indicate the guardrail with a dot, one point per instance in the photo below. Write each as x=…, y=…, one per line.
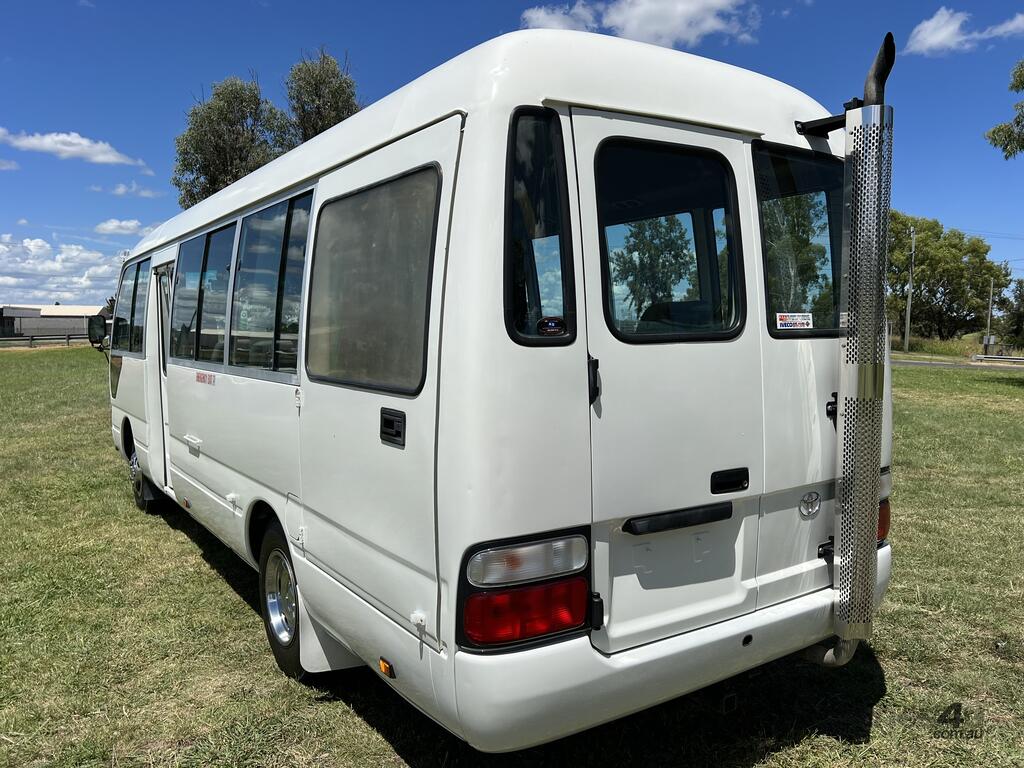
x=999, y=358
x=43, y=340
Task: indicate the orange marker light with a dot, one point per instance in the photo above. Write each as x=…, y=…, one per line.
x=386, y=668
x=884, y=518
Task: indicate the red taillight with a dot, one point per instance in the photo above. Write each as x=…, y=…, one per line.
x=508, y=615
x=884, y=517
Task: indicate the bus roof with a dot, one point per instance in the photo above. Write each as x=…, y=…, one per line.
x=522, y=68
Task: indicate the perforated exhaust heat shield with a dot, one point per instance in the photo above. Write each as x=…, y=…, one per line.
x=867, y=191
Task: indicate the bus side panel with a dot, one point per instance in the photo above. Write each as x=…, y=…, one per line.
x=233, y=440
x=130, y=403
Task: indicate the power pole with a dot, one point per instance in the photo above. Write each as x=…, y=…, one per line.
x=910, y=290
x=988, y=328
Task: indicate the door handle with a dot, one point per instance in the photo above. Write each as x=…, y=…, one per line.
x=193, y=444
x=730, y=480
x=593, y=383
x=392, y=427
x=680, y=518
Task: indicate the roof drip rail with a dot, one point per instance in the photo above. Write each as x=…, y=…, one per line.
x=874, y=93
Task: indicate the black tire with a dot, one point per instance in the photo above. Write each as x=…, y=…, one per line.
x=280, y=613
x=141, y=489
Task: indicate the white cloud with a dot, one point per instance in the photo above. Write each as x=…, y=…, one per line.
x=86, y=3
x=134, y=190
x=119, y=227
x=8, y=165
x=671, y=23
x=1009, y=28
x=22, y=222
x=68, y=145
x=34, y=271
x=945, y=33
x=581, y=16
x=684, y=23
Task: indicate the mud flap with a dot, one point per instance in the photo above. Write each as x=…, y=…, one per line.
x=319, y=651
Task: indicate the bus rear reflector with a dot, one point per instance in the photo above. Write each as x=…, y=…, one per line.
x=509, y=615
x=884, y=517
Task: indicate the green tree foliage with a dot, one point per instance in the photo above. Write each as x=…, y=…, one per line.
x=321, y=93
x=1009, y=137
x=238, y=130
x=229, y=135
x=657, y=254
x=952, y=274
x=1011, y=325
x=799, y=271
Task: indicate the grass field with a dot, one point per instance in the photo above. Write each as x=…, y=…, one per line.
x=128, y=639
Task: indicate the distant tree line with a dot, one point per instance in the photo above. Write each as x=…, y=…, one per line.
x=952, y=278
x=237, y=129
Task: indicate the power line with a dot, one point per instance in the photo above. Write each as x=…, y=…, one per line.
x=997, y=235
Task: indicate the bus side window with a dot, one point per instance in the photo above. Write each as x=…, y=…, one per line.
x=186, y=298
x=200, y=296
x=370, y=285
x=139, y=307
x=268, y=284
x=121, y=332
x=213, y=294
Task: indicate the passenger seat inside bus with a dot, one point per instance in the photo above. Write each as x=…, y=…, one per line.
x=683, y=314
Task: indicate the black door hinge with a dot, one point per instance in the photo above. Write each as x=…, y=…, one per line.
x=827, y=550
x=832, y=409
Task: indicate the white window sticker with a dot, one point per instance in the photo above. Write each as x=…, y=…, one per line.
x=793, y=320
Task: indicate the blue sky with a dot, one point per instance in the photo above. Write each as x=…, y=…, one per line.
x=93, y=93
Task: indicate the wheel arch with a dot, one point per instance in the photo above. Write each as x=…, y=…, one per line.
x=260, y=517
x=127, y=438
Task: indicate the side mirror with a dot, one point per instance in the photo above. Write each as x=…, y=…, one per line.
x=97, y=330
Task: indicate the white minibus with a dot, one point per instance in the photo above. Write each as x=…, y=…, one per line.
x=551, y=386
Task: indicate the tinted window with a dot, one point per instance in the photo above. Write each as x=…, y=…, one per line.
x=370, y=284
x=801, y=200
x=254, y=306
x=186, y=297
x=268, y=286
x=539, y=303
x=120, y=334
x=213, y=297
x=669, y=241
x=139, y=307
x=164, y=279
x=287, y=338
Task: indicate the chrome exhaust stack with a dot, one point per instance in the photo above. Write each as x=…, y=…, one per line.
x=867, y=191
x=866, y=195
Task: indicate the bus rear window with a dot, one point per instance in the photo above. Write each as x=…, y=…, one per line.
x=670, y=248
x=800, y=196
x=539, y=303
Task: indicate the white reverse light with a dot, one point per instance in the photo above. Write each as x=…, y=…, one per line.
x=527, y=562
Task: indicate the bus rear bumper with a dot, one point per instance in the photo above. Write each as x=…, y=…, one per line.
x=515, y=700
